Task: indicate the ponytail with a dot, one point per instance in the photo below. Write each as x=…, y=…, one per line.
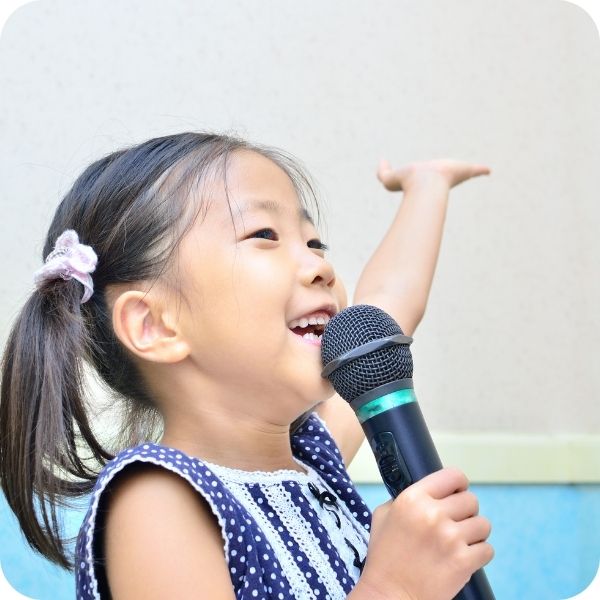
x=133, y=208
x=41, y=403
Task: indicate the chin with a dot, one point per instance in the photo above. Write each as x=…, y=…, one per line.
x=322, y=392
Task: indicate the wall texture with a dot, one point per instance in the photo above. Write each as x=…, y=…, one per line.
x=509, y=339
x=508, y=347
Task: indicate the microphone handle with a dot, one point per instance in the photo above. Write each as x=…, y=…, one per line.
x=405, y=453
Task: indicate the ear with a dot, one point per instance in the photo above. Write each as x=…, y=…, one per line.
x=145, y=326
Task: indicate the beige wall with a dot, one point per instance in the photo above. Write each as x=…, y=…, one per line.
x=511, y=335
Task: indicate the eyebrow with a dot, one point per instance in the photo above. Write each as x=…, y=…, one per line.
x=273, y=207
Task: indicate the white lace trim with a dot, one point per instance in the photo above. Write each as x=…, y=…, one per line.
x=351, y=528
x=262, y=477
x=106, y=478
x=281, y=500
x=289, y=569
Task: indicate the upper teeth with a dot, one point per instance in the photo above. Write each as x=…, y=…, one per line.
x=312, y=320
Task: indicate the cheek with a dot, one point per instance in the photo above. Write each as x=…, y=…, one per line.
x=262, y=278
x=253, y=294
x=246, y=298
x=340, y=293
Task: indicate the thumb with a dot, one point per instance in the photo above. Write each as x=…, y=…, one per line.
x=388, y=176
x=383, y=170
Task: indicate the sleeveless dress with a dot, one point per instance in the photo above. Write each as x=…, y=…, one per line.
x=286, y=534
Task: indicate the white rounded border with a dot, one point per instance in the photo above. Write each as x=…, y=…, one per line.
x=591, y=7
x=592, y=591
x=8, y=592
x=8, y=7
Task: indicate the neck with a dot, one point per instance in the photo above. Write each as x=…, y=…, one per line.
x=240, y=427
x=233, y=442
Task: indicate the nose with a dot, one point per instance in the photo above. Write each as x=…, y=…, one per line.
x=316, y=269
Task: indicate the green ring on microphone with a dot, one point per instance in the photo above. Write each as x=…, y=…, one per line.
x=379, y=405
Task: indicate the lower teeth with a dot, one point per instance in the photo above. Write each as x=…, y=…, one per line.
x=311, y=336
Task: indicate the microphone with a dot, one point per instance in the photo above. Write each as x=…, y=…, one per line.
x=368, y=361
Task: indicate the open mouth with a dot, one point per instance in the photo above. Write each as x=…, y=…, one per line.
x=310, y=328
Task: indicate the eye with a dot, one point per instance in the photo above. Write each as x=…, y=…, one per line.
x=265, y=234
x=318, y=244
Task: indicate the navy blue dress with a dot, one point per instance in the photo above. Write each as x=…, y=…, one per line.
x=286, y=534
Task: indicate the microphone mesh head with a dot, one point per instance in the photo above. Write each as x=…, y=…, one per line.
x=353, y=327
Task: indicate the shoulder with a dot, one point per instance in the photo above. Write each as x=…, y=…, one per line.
x=161, y=538
x=153, y=509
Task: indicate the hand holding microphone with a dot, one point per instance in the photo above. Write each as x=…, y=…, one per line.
x=429, y=541
x=419, y=542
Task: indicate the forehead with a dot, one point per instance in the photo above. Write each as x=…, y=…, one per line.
x=255, y=184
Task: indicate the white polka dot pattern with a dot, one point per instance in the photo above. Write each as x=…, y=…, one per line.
x=278, y=542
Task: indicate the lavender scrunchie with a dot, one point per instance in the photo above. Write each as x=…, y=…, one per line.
x=69, y=259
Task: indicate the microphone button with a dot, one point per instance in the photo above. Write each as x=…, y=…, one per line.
x=391, y=465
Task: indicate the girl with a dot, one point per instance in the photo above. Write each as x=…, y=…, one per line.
x=188, y=271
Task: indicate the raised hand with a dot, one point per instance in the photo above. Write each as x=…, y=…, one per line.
x=450, y=171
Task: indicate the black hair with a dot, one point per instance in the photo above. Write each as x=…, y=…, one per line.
x=132, y=207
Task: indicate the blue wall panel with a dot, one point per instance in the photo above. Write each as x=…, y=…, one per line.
x=546, y=537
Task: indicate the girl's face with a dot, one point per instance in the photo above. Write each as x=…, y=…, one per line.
x=249, y=275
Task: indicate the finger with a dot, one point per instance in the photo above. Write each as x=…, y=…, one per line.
x=480, y=170
x=444, y=482
x=384, y=170
x=380, y=513
x=479, y=555
x=388, y=176
x=461, y=505
x=475, y=529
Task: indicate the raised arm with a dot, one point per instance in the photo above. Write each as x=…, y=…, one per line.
x=398, y=276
